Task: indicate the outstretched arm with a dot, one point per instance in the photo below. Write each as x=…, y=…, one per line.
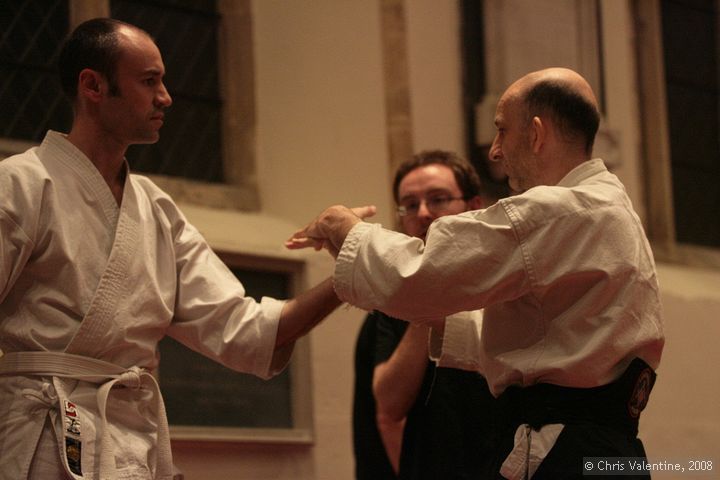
x=303, y=312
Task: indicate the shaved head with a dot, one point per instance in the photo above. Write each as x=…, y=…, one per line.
x=561, y=76
x=96, y=44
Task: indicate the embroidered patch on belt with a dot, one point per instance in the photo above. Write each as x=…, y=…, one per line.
x=70, y=409
x=73, y=442
x=72, y=425
x=72, y=421
x=73, y=451
x=641, y=393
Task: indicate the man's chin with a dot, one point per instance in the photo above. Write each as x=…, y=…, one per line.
x=147, y=139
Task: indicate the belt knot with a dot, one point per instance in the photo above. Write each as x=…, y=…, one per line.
x=131, y=378
x=47, y=396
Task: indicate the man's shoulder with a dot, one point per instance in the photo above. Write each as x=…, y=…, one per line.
x=148, y=190
x=24, y=182
x=561, y=200
x=149, y=194
x=23, y=170
x=27, y=159
x=144, y=182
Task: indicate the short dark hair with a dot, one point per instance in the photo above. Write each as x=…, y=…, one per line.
x=94, y=44
x=576, y=117
x=465, y=175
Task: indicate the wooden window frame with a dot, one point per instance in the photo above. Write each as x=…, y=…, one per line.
x=301, y=432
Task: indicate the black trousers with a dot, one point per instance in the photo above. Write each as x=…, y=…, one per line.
x=599, y=422
x=565, y=459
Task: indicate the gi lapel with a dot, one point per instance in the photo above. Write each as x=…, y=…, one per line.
x=114, y=281
x=87, y=342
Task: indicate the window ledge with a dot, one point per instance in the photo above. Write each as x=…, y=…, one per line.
x=213, y=195
x=688, y=255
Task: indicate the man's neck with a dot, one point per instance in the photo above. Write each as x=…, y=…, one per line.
x=560, y=162
x=105, y=153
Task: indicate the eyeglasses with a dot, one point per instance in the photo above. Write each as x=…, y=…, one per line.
x=435, y=205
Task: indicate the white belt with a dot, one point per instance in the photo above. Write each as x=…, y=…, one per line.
x=107, y=375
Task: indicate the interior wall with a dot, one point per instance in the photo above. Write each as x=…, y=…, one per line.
x=321, y=125
x=435, y=75
x=621, y=127
x=322, y=140
x=682, y=420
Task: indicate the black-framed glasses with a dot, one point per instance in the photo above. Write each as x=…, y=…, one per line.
x=435, y=205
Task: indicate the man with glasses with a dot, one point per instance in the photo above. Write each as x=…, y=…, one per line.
x=433, y=422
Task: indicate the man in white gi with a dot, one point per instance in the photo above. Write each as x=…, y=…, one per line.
x=572, y=328
x=97, y=265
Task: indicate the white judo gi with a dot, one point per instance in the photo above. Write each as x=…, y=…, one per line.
x=85, y=279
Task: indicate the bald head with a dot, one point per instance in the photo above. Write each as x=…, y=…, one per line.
x=564, y=96
x=561, y=76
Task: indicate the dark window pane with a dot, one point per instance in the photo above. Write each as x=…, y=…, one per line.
x=31, y=99
x=185, y=31
x=200, y=392
x=691, y=73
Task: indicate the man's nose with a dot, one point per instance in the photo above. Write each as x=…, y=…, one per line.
x=495, y=152
x=423, y=210
x=163, y=98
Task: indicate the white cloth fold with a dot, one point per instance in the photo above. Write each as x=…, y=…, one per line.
x=108, y=375
x=564, y=273
x=530, y=449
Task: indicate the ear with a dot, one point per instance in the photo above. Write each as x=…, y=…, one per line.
x=91, y=85
x=538, y=134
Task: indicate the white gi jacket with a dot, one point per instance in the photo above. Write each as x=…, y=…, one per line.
x=564, y=273
x=80, y=275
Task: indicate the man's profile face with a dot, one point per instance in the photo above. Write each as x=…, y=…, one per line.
x=135, y=113
x=428, y=192
x=511, y=146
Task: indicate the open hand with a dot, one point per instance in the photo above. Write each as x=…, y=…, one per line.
x=330, y=228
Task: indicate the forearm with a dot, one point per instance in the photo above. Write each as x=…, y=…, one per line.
x=396, y=383
x=302, y=313
x=391, y=434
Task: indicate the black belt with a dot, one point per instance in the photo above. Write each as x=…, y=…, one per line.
x=617, y=404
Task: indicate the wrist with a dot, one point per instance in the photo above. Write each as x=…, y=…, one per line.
x=338, y=226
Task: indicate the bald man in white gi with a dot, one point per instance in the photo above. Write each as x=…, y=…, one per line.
x=572, y=329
